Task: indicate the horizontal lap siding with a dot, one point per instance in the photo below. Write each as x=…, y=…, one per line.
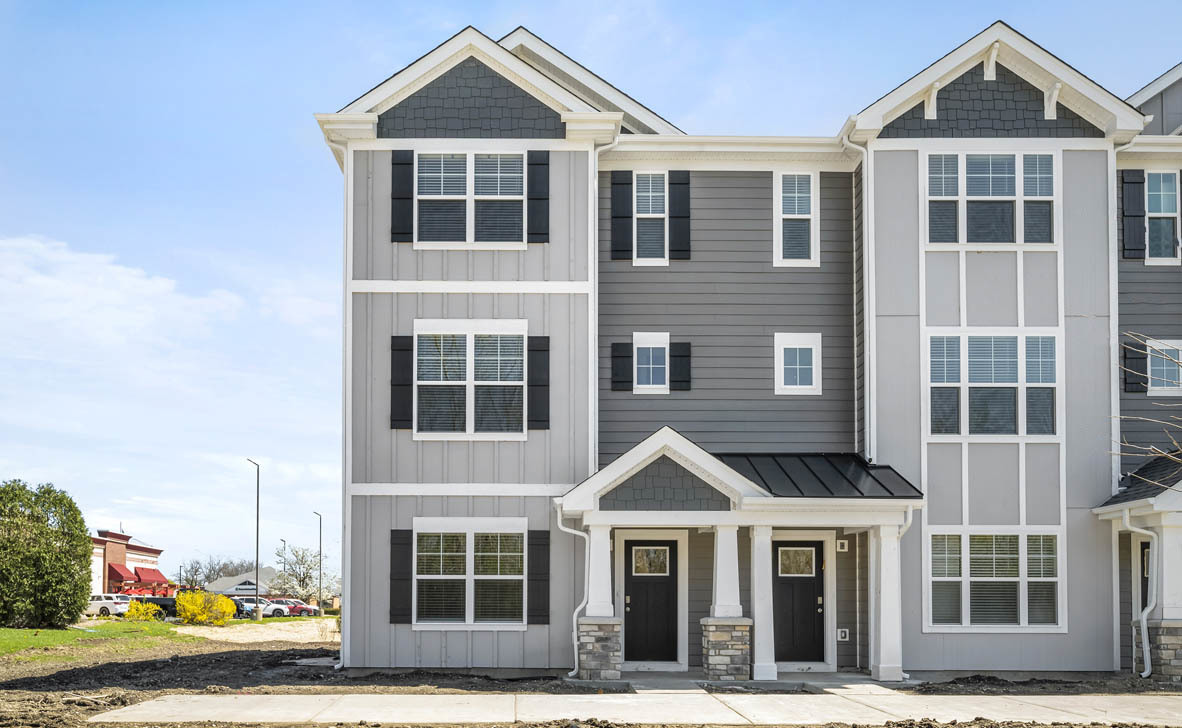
x=728, y=301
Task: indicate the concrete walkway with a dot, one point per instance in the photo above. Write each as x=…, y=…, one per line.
x=864, y=707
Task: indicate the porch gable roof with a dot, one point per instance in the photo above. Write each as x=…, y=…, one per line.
x=1158, y=478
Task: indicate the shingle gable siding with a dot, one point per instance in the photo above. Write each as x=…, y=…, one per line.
x=970, y=106
x=664, y=485
x=471, y=101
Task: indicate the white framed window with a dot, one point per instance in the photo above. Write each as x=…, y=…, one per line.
x=650, y=221
x=796, y=561
x=469, y=572
x=797, y=360
x=796, y=240
x=470, y=377
x=976, y=199
x=1010, y=581
x=650, y=362
x=470, y=200
x=650, y=561
x=1161, y=218
x=1164, y=370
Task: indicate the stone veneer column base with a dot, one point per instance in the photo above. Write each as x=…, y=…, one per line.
x=1165, y=649
x=600, y=649
x=726, y=648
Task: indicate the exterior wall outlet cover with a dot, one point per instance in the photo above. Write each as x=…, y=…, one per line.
x=843, y=545
x=843, y=635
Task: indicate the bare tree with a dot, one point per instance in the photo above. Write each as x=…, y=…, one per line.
x=190, y=573
x=301, y=577
x=1156, y=365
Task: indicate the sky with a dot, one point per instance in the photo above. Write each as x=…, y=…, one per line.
x=170, y=218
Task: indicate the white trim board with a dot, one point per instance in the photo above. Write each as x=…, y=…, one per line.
x=523, y=490
x=681, y=536
x=523, y=287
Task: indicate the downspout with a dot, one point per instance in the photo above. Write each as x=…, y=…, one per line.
x=1151, y=602
x=586, y=583
x=902, y=530
x=868, y=341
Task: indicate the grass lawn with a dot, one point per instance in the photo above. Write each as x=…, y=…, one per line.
x=127, y=636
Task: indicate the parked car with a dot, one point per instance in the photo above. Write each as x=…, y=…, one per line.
x=167, y=605
x=241, y=609
x=269, y=608
x=104, y=605
x=296, y=607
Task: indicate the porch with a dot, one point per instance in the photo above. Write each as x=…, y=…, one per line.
x=743, y=567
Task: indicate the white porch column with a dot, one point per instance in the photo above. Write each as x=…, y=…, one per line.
x=763, y=637
x=1169, y=570
x=726, y=573
x=599, y=573
x=887, y=616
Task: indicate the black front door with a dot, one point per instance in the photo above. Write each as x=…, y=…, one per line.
x=797, y=592
x=650, y=601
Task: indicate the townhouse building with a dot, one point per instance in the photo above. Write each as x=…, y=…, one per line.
x=618, y=398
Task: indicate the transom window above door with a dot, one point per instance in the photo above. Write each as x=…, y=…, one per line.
x=472, y=200
x=797, y=364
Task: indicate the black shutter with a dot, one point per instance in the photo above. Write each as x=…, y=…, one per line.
x=538, y=594
x=679, y=365
x=1136, y=367
x=679, y=216
x=538, y=230
x=401, y=382
x=1133, y=213
x=402, y=196
x=539, y=383
x=622, y=367
x=622, y=215
x=401, y=573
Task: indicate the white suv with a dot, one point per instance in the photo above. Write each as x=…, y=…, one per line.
x=270, y=609
x=104, y=605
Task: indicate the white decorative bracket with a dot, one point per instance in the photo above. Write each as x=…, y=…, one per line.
x=991, y=62
x=1050, y=99
x=929, y=104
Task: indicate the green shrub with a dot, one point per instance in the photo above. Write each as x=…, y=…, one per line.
x=139, y=611
x=331, y=610
x=202, y=607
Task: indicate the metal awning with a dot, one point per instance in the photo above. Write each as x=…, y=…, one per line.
x=150, y=576
x=119, y=572
x=821, y=475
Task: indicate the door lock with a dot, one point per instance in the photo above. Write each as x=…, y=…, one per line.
x=820, y=600
x=627, y=599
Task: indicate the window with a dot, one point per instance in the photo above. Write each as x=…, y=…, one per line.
x=945, y=369
x=1161, y=204
x=470, y=200
x=651, y=234
x=470, y=571
x=796, y=561
x=796, y=237
x=1012, y=580
x=993, y=360
x=470, y=384
x=650, y=354
x=985, y=208
x=650, y=561
x=1165, y=374
x=797, y=364
x=946, y=574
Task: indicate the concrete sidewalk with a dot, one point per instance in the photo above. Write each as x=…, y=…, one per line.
x=691, y=709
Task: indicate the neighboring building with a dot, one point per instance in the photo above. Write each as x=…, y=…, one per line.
x=749, y=405
x=244, y=584
x=119, y=566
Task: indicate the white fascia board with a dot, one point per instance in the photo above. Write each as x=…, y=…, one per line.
x=1156, y=86
x=466, y=43
x=340, y=129
x=629, y=105
x=777, y=519
x=715, y=143
x=1022, y=56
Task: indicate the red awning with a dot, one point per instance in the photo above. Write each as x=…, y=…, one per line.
x=119, y=572
x=150, y=576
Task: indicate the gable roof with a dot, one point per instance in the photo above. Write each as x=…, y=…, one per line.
x=589, y=85
x=1024, y=57
x=1156, y=86
x=821, y=475
x=1157, y=476
x=226, y=583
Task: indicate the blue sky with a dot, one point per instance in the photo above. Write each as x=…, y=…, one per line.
x=170, y=220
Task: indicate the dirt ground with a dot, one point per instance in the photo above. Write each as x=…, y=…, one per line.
x=305, y=631
x=992, y=685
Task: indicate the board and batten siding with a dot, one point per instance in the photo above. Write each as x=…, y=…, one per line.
x=728, y=301
x=374, y=642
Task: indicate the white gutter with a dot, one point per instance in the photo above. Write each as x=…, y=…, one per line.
x=586, y=578
x=1150, y=602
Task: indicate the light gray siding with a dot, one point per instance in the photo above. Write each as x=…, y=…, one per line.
x=383, y=455
x=564, y=258
x=1166, y=108
x=374, y=642
x=728, y=302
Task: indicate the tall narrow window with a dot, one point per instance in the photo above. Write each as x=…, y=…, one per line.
x=440, y=567
x=796, y=237
x=993, y=579
x=945, y=369
x=1040, y=369
x=441, y=358
x=1038, y=187
x=1161, y=191
x=993, y=360
x=946, y=579
x=1042, y=571
x=650, y=219
x=943, y=182
x=990, y=186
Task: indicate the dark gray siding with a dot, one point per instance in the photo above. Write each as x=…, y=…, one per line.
x=847, y=602
x=861, y=543
x=701, y=584
x=970, y=106
x=728, y=302
x=1126, y=601
x=472, y=101
x=664, y=485
x=1166, y=108
x=859, y=320
x=1150, y=304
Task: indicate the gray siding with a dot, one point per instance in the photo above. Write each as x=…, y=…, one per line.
x=1008, y=106
x=564, y=258
x=471, y=100
x=383, y=455
x=374, y=642
x=1124, y=555
x=701, y=584
x=728, y=301
x=664, y=485
x=1166, y=108
x=863, y=568
x=847, y=601
x=859, y=319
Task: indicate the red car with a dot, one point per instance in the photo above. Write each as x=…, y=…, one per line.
x=297, y=608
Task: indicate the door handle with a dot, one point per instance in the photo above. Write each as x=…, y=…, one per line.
x=627, y=599
x=627, y=609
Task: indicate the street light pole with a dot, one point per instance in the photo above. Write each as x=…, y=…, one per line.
x=258, y=608
x=320, y=560
x=284, y=542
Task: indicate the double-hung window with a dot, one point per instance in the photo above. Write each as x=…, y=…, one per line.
x=991, y=198
x=1009, y=580
x=470, y=379
x=1040, y=372
x=990, y=194
x=796, y=237
x=797, y=363
x=651, y=235
x=650, y=354
x=1165, y=372
x=471, y=200
x=993, y=361
x=469, y=571
x=1161, y=206
x=945, y=370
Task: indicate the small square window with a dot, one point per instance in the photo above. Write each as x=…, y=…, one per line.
x=989, y=221
x=1165, y=373
x=650, y=352
x=797, y=363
